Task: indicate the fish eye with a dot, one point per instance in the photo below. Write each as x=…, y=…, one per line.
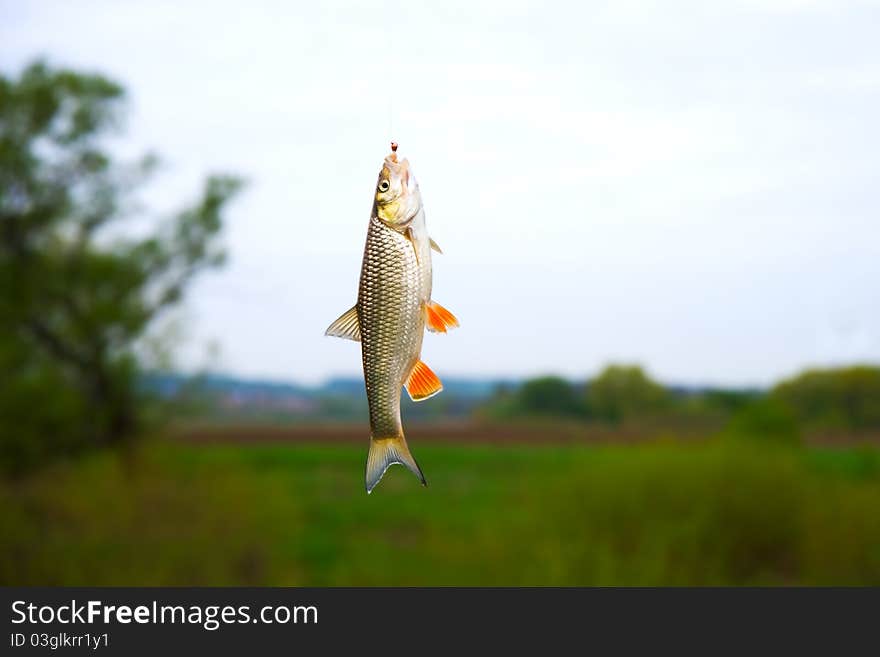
x=384, y=185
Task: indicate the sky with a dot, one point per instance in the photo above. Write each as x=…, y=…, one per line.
x=686, y=185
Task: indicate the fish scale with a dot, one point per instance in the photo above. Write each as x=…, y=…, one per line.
x=390, y=298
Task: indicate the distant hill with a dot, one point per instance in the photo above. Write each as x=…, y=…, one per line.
x=457, y=387
x=223, y=396
x=171, y=384
x=337, y=398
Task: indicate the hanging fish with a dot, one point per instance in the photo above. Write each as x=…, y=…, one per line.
x=393, y=308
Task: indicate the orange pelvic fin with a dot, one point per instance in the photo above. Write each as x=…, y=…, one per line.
x=439, y=319
x=422, y=383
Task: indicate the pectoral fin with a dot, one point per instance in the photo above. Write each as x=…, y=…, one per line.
x=408, y=234
x=435, y=246
x=438, y=318
x=347, y=326
x=422, y=383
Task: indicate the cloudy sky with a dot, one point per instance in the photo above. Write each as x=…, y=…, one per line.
x=692, y=186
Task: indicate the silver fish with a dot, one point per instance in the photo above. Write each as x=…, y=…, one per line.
x=393, y=308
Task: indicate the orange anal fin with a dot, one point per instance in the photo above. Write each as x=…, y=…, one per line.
x=439, y=319
x=422, y=382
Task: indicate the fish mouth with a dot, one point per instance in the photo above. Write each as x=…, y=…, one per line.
x=408, y=182
x=398, y=166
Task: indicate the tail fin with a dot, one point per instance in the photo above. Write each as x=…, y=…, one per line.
x=385, y=452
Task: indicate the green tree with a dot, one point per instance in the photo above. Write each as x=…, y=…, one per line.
x=75, y=296
x=845, y=398
x=548, y=395
x=624, y=392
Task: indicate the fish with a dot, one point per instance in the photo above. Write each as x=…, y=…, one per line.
x=393, y=309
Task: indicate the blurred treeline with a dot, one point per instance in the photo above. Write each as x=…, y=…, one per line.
x=835, y=401
x=87, y=272
x=78, y=295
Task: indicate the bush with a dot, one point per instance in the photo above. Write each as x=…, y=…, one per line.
x=766, y=420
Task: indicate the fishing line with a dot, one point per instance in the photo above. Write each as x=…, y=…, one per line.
x=389, y=65
x=390, y=116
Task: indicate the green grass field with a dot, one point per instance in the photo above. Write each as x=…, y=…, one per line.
x=658, y=514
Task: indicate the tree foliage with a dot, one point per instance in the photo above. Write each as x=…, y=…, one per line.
x=550, y=395
x=75, y=296
x=845, y=398
x=622, y=392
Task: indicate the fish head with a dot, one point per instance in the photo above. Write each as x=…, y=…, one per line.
x=397, y=199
